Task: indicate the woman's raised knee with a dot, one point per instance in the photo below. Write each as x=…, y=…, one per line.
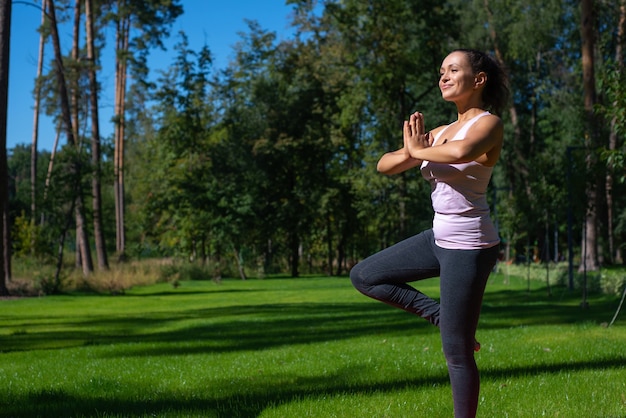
x=356, y=277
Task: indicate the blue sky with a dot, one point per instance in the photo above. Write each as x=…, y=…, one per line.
x=215, y=23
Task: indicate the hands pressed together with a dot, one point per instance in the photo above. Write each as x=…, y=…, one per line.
x=415, y=140
x=413, y=132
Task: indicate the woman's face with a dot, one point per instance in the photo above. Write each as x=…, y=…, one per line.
x=456, y=77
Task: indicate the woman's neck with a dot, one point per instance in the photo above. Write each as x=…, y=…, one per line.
x=468, y=113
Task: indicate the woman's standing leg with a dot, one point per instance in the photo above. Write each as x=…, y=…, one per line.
x=384, y=275
x=464, y=275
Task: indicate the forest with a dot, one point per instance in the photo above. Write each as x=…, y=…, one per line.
x=269, y=164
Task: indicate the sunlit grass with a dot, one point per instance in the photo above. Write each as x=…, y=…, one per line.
x=308, y=347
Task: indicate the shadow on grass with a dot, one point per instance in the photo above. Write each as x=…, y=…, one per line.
x=246, y=403
x=223, y=329
x=263, y=326
x=514, y=307
x=198, y=292
x=252, y=400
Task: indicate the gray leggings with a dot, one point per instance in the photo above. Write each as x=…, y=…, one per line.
x=464, y=273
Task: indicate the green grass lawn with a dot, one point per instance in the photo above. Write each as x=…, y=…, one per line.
x=307, y=347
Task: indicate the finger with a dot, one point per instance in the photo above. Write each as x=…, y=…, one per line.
x=419, y=124
x=415, y=120
x=414, y=123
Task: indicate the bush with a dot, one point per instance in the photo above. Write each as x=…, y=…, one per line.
x=174, y=272
x=610, y=281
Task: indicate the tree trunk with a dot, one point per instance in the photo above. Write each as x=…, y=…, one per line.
x=615, y=253
x=96, y=189
x=75, y=71
x=83, y=241
x=329, y=243
x=341, y=254
x=53, y=153
x=587, y=34
x=294, y=258
x=73, y=83
x=122, y=38
x=35, y=139
x=239, y=261
x=5, y=40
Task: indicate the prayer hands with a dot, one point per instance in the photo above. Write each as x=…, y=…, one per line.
x=413, y=132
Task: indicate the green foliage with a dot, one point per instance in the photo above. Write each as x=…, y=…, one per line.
x=23, y=232
x=612, y=281
x=612, y=84
x=34, y=275
x=169, y=195
x=268, y=165
x=177, y=272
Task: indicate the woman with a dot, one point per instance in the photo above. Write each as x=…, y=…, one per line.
x=462, y=246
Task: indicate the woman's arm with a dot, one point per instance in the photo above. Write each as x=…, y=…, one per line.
x=482, y=139
x=395, y=162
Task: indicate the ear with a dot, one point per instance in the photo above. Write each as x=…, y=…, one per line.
x=480, y=80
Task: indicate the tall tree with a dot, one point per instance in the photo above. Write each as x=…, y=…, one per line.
x=5, y=38
x=96, y=155
x=244, y=120
x=324, y=57
x=151, y=20
x=74, y=71
x=74, y=74
x=83, y=240
x=122, y=36
x=184, y=200
x=615, y=252
x=34, y=152
x=588, y=30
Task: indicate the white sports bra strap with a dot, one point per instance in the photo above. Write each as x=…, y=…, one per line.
x=461, y=133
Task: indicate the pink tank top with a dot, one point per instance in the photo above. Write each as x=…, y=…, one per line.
x=461, y=220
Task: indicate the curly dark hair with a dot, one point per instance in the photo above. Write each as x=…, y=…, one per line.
x=496, y=91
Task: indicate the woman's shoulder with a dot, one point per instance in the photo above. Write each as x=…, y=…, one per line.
x=489, y=121
x=487, y=116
